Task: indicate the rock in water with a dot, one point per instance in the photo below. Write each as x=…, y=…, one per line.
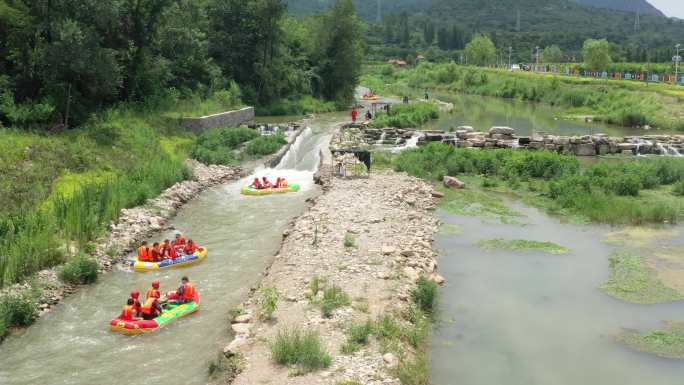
x=451, y=182
x=502, y=131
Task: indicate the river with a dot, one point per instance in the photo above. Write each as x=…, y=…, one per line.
x=73, y=345
x=527, y=118
x=530, y=318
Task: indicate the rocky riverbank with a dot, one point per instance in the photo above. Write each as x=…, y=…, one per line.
x=372, y=242
x=133, y=226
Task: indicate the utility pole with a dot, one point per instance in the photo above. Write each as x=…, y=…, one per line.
x=677, y=59
x=510, y=54
x=536, y=68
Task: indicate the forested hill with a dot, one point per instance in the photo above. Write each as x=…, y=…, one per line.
x=642, y=6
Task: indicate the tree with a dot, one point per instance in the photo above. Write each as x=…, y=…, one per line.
x=429, y=33
x=597, y=54
x=480, y=51
x=340, y=52
x=443, y=38
x=552, y=54
x=457, y=38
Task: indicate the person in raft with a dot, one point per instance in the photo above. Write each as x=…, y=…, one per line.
x=153, y=291
x=281, y=183
x=151, y=309
x=265, y=182
x=256, y=184
x=180, y=240
x=156, y=252
x=186, y=291
x=136, y=303
x=190, y=247
x=144, y=253
x=168, y=251
x=128, y=312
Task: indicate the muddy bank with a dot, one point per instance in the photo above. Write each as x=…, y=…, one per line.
x=134, y=225
x=370, y=241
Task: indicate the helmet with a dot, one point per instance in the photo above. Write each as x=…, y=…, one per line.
x=135, y=294
x=155, y=284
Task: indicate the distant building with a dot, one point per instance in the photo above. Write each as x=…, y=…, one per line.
x=397, y=62
x=419, y=59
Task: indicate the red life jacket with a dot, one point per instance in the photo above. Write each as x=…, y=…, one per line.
x=190, y=248
x=179, y=241
x=155, y=254
x=189, y=292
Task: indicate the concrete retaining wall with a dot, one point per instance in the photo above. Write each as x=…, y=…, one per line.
x=223, y=119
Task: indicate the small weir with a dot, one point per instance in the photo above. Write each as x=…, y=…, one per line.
x=73, y=345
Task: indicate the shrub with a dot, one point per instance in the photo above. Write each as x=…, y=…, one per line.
x=17, y=310
x=406, y=116
x=424, y=295
x=79, y=270
x=357, y=335
x=266, y=145
x=269, y=302
x=216, y=145
x=295, y=347
x=414, y=371
x=333, y=298
x=349, y=240
x=228, y=367
x=678, y=189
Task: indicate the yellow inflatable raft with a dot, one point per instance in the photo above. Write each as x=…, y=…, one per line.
x=180, y=261
x=291, y=187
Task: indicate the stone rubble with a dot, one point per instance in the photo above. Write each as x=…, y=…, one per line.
x=392, y=230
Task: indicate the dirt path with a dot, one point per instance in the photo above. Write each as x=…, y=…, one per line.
x=389, y=216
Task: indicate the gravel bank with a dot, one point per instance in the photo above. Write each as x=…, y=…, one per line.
x=390, y=218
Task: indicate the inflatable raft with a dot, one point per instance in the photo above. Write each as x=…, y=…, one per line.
x=172, y=312
x=291, y=187
x=370, y=97
x=180, y=261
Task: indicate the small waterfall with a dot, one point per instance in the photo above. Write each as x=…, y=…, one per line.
x=515, y=144
x=639, y=143
x=382, y=139
x=411, y=143
x=290, y=158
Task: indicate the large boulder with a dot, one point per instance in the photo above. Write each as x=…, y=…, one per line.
x=502, y=131
x=451, y=182
x=586, y=149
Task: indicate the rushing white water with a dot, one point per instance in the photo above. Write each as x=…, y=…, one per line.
x=412, y=142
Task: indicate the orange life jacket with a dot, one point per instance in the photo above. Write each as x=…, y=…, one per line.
x=189, y=292
x=152, y=293
x=190, y=248
x=143, y=253
x=127, y=313
x=180, y=241
x=170, y=251
x=148, y=306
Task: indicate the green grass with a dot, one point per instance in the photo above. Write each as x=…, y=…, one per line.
x=265, y=145
x=16, y=310
x=357, y=336
x=523, y=244
x=301, y=106
x=633, y=281
x=301, y=348
x=349, y=240
x=79, y=270
x=406, y=116
x=624, y=191
x=218, y=145
x=668, y=343
x=333, y=298
x=268, y=302
x=424, y=295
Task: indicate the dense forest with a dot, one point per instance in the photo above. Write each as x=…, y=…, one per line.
x=438, y=28
x=64, y=59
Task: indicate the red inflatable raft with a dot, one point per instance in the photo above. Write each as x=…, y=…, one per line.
x=172, y=311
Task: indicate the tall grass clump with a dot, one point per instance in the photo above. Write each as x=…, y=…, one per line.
x=265, y=145
x=357, y=336
x=16, y=310
x=79, y=270
x=268, y=302
x=301, y=348
x=424, y=295
x=333, y=297
x=217, y=145
x=406, y=115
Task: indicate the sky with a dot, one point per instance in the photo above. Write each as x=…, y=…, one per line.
x=670, y=7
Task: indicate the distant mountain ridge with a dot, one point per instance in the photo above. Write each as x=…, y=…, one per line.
x=642, y=6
